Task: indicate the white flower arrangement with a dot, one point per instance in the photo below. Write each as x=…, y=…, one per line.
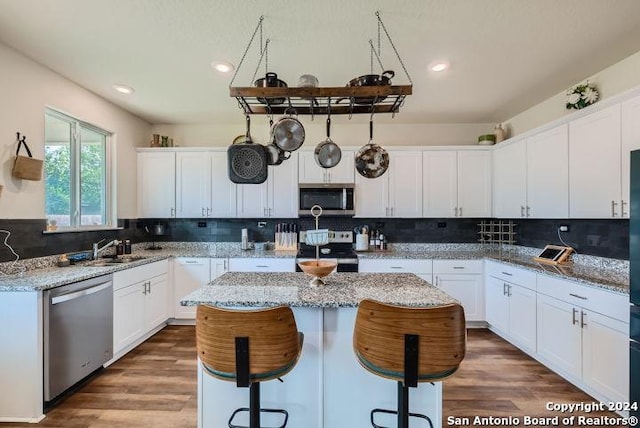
x=581, y=96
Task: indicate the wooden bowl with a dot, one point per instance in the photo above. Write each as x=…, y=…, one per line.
x=318, y=269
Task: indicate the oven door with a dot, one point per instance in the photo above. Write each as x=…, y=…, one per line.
x=335, y=199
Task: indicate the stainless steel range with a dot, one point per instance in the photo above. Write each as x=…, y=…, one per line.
x=339, y=248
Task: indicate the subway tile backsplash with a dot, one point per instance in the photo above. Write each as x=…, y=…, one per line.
x=605, y=238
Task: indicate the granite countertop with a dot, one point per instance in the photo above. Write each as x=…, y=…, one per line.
x=293, y=289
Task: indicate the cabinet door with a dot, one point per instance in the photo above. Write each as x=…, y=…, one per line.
x=559, y=336
x=218, y=267
x=594, y=165
x=371, y=195
x=192, y=184
x=309, y=171
x=344, y=171
x=405, y=184
x=605, y=355
x=510, y=181
x=156, y=184
x=468, y=289
x=548, y=174
x=474, y=184
x=497, y=304
x=522, y=317
x=189, y=274
x=156, y=300
x=630, y=141
x=283, y=189
x=128, y=315
x=253, y=200
x=440, y=184
x=222, y=202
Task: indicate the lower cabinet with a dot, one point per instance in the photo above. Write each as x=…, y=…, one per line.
x=511, y=304
x=579, y=338
x=462, y=280
x=421, y=267
x=189, y=274
x=140, y=302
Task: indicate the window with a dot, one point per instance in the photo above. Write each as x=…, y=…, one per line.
x=77, y=173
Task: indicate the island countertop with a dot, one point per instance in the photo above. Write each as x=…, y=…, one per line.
x=342, y=289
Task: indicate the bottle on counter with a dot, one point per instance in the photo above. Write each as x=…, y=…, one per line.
x=383, y=242
x=372, y=239
x=119, y=248
x=377, y=241
x=127, y=246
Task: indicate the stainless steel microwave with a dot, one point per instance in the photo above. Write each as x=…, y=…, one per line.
x=334, y=198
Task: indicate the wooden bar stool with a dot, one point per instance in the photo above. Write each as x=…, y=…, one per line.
x=409, y=345
x=248, y=347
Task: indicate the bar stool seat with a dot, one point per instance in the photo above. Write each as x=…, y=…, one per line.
x=409, y=345
x=248, y=347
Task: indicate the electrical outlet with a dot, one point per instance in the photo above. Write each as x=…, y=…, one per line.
x=262, y=224
x=442, y=224
x=202, y=224
x=563, y=228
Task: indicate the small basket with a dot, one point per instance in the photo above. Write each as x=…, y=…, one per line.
x=317, y=237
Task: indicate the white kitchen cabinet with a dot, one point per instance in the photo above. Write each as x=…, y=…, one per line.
x=462, y=280
x=510, y=180
x=156, y=184
x=583, y=334
x=191, y=273
x=548, y=174
x=594, y=165
x=202, y=186
x=277, y=197
x=630, y=126
x=262, y=264
x=511, y=304
x=456, y=183
x=140, y=302
x=310, y=172
x=397, y=193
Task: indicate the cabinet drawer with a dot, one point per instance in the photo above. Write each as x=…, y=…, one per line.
x=395, y=265
x=605, y=302
x=457, y=266
x=139, y=273
x=514, y=275
x=262, y=265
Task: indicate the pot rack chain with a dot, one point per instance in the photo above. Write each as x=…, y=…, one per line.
x=395, y=50
x=244, y=55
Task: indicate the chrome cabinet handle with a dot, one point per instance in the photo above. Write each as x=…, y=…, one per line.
x=262, y=266
x=582, y=323
x=224, y=265
x=455, y=211
x=507, y=273
x=613, y=209
x=578, y=296
x=173, y=211
x=391, y=211
x=149, y=285
x=508, y=290
x=521, y=210
x=458, y=267
x=573, y=316
x=622, y=204
x=459, y=211
x=528, y=211
x=436, y=280
x=504, y=288
x=202, y=211
x=395, y=267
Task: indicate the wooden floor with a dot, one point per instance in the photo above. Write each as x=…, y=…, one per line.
x=155, y=386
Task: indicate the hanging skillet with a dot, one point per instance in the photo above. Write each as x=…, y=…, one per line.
x=327, y=153
x=371, y=159
x=288, y=132
x=247, y=162
x=275, y=155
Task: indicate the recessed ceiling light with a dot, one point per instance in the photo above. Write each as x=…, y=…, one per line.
x=222, y=66
x=124, y=89
x=439, y=66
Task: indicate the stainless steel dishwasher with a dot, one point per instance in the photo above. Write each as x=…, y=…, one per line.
x=78, y=332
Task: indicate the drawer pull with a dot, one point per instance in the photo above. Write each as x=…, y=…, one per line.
x=578, y=296
x=191, y=262
x=262, y=266
x=396, y=267
x=458, y=267
x=507, y=273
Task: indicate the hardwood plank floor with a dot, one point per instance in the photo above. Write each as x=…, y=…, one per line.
x=155, y=386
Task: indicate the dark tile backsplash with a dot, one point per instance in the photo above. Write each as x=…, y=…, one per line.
x=606, y=238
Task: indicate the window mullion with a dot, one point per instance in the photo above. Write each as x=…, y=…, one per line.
x=75, y=174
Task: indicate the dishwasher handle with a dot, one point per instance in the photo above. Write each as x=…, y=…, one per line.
x=77, y=294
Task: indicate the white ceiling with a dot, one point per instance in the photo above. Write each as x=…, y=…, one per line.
x=506, y=55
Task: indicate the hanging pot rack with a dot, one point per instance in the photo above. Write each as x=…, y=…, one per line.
x=341, y=100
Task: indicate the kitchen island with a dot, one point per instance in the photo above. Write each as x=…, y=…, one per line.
x=328, y=387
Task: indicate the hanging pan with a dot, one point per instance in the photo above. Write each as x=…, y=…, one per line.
x=288, y=132
x=327, y=153
x=247, y=161
x=371, y=159
x=275, y=155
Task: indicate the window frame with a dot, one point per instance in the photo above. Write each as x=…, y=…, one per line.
x=110, y=183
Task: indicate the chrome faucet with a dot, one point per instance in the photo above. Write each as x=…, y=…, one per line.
x=97, y=249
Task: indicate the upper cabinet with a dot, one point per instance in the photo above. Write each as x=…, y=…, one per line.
x=594, y=165
x=630, y=141
x=277, y=197
x=531, y=177
x=310, y=172
x=456, y=183
x=397, y=193
x=156, y=184
x=201, y=180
